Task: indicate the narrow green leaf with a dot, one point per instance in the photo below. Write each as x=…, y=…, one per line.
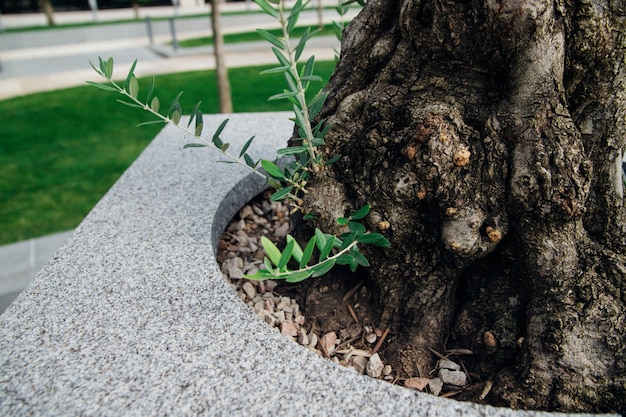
x=297, y=249
x=150, y=90
x=345, y=259
x=102, y=86
x=361, y=213
x=281, y=193
x=291, y=82
x=375, y=239
x=129, y=104
x=323, y=268
x=302, y=43
x=309, y=78
x=315, y=107
x=298, y=276
x=299, y=116
x=97, y=70
x=342, y=221
x=130, y=76
x=321, y=239
x=224, y=146
x=333, y=160
x=273, y=183
x=356, y=228
x=193, y=113
x=308, y=216
x=272, y=169
x=249, y=161
x=292, y=20
x=246, y=146
x=155, y=104
x=298, y=7
x=284, y=61
x=330, y=242
x=348, y=238
x=278, y=43
x=321, y=133
x=220, y=129
x=151, y=122
x=267, y=8
x=260, y=275
x=198, y=130
x=175, y=117
x=353, y=266
x=294, y=150
x=359, y=257
x=274, y=70
x=268, y=265
x=317, y=142
x=108, y=69
x=282, y=96
x=308, y=252
x=133, y=87
x=338, y=29
x=286, y=255
x=194, y=145
x=307, y=70
x=218, y=142
x=199, y=119
x=103, y=65
x=174, y=104
x=271, y=250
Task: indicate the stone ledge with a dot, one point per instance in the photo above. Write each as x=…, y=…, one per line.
x=133, y=317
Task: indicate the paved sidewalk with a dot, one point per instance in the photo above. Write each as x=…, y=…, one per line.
x=21, y=261
x=58, y=58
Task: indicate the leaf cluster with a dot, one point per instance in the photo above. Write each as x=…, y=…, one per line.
x=174, y=114
x=331, y=250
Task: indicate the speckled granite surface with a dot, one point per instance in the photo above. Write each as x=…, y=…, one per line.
x=133, y=318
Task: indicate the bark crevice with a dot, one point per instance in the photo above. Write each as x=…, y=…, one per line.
x=486, y=133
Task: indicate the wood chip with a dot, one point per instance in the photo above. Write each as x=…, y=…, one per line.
x=380, y=341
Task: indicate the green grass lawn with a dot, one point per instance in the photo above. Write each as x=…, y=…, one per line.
x=61, y=151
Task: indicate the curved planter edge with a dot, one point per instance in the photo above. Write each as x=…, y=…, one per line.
x=133, y=317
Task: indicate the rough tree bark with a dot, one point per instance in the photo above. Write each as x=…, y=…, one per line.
x=489, y=135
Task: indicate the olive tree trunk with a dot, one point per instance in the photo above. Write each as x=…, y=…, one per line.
x=488, y=138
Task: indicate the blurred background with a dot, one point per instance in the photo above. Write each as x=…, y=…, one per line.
x=63, y=144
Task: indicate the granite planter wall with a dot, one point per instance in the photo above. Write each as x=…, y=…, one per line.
x=132, y=316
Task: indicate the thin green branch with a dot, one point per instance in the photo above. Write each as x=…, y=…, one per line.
x=165, y=119
x=293, y=69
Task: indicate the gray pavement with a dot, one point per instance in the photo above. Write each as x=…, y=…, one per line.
x=20, y=262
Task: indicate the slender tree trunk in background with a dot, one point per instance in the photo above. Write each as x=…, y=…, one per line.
x=223, y=84
x=47, y=8
x=489, y=135
x=320, y=14
x=135, y=6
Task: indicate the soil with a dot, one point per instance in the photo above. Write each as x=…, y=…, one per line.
x=340, y=302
